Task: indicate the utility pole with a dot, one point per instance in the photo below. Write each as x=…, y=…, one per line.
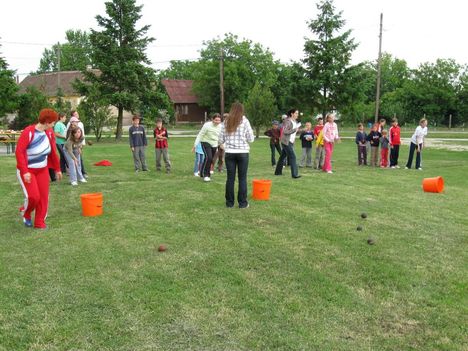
x=58, y=66
x=377, y=92
x=221, y=80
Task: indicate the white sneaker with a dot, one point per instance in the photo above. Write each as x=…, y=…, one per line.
x=329, y=172
x=83, y=180
x=406, y=168
x=397, y=166
x=393, y=167
x=74, y=183
x=419, y=169
x=207, y=179
x=211, y=172
x=196, y=174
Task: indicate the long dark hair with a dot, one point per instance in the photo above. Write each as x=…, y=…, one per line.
x=235, y=117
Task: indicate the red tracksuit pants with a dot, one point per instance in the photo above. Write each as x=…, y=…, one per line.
x=36, y=195
x=383, y=157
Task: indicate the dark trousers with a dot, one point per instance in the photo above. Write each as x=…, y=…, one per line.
x=362, y=154
x=83, y=172
x=287, y=152
x=411, y=154
x=218, y=156
x=209, y=152
x=63, y=163
x=394, y=153
x=274, y=148
x=241, y=162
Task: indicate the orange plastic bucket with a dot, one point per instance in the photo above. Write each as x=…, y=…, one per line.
x=91, y=204
x=433, y=185
x=261, y=189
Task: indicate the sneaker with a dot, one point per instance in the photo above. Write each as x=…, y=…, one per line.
x=137, y=170
x=211, y=172
x=196, y=174
x=419, y=169
x=406, y=168
x=207, y=179
x=74, y=183
x=83, y=180
x=27, y=222
x=85, y=175
x=393, y=167
x=248, y=205
x=397, y=166
x=329, y=172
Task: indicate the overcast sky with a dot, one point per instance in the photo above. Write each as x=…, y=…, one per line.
x=417, y=31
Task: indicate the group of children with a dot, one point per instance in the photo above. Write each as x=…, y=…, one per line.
x=138, y=143
x=307, y=137
x=379, y=137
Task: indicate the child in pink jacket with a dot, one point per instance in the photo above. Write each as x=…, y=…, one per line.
x=330, y=135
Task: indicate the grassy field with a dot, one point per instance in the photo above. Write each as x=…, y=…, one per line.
x=292, y=273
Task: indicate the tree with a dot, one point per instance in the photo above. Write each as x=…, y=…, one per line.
x=29, y=106
x=327, y=56
x=179, y=70
x=95, y=111
x=118, y=51
x=433, y=91
x=8, y=89
x=60, y=105
x=260, y=106
x=75, y=54
x=245, y=63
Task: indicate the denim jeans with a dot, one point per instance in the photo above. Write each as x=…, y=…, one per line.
x=274, y=148
x=414, y=147
x=198, y=163
x=241, y=162
x=287, y=152
x=74, y=169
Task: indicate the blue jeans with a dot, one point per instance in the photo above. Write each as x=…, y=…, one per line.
x=75, y=170
x=287, y=152
x=413, y=147
x=241, y=162
x=198, y=162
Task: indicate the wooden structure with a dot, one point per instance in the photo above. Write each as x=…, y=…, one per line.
x=185, y=101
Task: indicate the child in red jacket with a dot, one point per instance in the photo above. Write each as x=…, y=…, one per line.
x=395, y=142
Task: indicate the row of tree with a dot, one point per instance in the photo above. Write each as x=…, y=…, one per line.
x=323, y=81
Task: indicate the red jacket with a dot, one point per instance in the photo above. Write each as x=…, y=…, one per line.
x=394, y=135
x=23, y=141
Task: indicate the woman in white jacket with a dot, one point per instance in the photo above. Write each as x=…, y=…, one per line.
x=236, y=134
x=417, y=143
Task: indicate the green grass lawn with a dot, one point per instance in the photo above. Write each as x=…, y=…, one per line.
x=292, y=273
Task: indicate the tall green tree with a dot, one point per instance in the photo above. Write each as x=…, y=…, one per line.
x=118, y=51
x=245, y=63
x=328, y=54
x=8, y=89
x=75, y=53
x=260, y=107
x=29, y=105
x=179, y=70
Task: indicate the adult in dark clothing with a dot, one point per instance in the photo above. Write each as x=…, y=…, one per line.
x=290, y=128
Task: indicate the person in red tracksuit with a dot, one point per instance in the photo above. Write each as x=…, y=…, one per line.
x=394, y=140
x=35, y=154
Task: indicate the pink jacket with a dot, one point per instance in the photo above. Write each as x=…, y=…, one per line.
x=330, y=132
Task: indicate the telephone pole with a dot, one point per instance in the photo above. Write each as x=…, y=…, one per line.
x=58, y=66
x=221, y=80
x=377, y=93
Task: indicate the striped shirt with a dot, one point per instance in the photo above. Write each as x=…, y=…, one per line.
x=238, y=141
x=38, y=150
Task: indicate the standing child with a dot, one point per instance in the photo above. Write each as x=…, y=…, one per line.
x=330, y=135
x=72, y=153
x=199, y=156
x=161, y=146
x=374, y=139
x=274, y=134
x=307, y=136
x=417, y=143
x=384, y=150
x=394, y=140
x=319, y=150
x=138, y=143
x=361, y=141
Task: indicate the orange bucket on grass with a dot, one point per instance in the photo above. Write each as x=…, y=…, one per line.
x=433, y=185
x=261, y=189
x=91, y=204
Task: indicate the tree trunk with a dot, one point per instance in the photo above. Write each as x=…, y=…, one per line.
x=257, y=131
x=118, y=132
x=324, y=105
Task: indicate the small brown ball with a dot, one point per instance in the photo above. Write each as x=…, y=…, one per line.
x=371, y=241
x=162, y=248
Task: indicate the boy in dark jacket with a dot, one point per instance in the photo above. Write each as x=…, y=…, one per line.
x=361, y=141
x=307, y=136
x=374, y=139
x=138, y=143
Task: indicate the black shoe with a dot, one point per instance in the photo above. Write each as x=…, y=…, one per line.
x=298, y=176
x=278, y=174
